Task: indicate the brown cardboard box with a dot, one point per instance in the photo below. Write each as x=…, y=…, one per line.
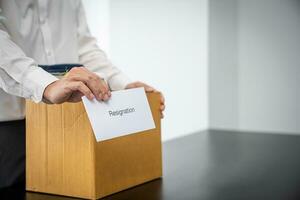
x=64, y=158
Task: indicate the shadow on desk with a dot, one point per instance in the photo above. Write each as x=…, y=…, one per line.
x=147, y=191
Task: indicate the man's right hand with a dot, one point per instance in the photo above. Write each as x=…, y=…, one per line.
x=78, y=82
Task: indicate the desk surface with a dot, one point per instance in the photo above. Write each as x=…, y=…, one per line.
x=215, y=165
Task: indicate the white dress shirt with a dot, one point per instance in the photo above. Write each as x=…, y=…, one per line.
x=48, y=32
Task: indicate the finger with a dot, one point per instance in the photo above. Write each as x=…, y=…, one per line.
x=162, y=98
x=146, y=87
x=103, y=85
x=75, y=97
x=98, y=86
x=91, y=83
x=149, y=89
x=78, y=74
x=72, y=70
x=105, y=89
x=162, y=107
x=105, y=97
x=81, y=87
x=104, y=94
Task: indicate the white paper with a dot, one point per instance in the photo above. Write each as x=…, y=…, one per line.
x=126, y=112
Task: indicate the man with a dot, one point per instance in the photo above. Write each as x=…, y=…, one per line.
x=48, y=32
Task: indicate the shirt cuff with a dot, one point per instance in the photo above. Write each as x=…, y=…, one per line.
x=37, y=80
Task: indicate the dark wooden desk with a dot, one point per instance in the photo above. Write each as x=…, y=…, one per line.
x=214, y=165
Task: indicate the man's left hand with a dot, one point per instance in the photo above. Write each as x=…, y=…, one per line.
x=149, y=89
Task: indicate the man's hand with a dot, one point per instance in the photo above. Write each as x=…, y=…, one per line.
x=149, y=89
x=78, y=82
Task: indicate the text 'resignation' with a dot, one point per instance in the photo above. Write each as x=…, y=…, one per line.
x=120, y=112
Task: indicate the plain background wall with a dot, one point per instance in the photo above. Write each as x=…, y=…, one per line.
x=256, y=89
x=223, y=64
x=164, y=43
x=269, y=60
x=253, y=58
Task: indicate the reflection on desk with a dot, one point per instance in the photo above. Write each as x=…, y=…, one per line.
x=214, y=165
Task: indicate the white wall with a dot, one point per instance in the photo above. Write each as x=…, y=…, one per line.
x=269, y=61
x=253, y=59
x=223, y=64
x=164, y=43
x=262, y=83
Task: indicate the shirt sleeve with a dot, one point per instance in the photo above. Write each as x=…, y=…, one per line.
x=19, y=74
x=92, y=57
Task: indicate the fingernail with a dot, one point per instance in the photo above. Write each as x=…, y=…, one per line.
x=100, y=97
x=109, y=93
x=106, y=97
